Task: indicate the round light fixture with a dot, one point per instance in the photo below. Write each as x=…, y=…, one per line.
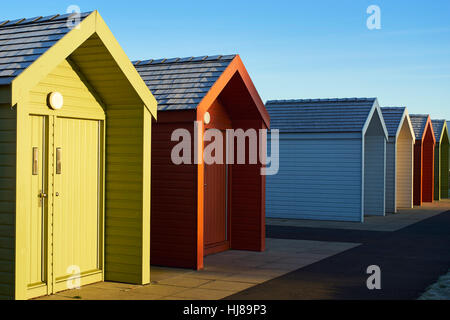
x=55, y=100
x=207, y=118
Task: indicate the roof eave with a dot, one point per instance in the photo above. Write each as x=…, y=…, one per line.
x=405, y=117
x=429, y=125
x=235, y=66
x=375, y=108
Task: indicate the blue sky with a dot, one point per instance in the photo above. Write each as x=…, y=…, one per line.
x=293, y=49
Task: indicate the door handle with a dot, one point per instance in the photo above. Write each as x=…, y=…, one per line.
x=42, y=195
x=57, y=194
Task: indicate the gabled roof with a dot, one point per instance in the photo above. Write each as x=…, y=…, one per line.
x=419, y=123
x=182, y=83
x=32, y=48
x=439, y=127
x=393, y=117
x=320, y=115
x=194, y=83
x=23, y=41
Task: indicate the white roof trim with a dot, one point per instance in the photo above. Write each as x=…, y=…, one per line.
x=376, y=108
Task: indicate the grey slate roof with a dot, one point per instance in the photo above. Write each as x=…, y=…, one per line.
x=319, y=115
x=392, y=118
x=438, y=127
x=419, y=121
x=23, y=41
x=182, y=83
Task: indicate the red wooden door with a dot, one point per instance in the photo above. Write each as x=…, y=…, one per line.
x=215, y=210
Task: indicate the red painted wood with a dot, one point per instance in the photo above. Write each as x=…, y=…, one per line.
x=418, y=173
x=174, y=198
x=215, y=214
x=180, y=215
x=248, y=202
x=424, y=166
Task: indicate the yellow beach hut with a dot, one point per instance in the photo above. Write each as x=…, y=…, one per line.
x=75, y=141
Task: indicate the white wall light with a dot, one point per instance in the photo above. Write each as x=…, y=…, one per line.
x=207, y=118
x=55, y=101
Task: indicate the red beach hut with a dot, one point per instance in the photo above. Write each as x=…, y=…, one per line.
x=201, y=209
x=423, y=159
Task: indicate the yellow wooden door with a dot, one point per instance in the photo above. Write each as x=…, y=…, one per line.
x=36, y=222
x=77, y=217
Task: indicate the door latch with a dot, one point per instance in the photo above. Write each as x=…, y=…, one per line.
x=42, y=195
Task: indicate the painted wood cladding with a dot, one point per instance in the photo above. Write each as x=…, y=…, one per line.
x=124, y=168
x=374, y=175
x=441, y=167
x=77, y=231
x=444, y=169
x=104, y=99
x=178, y=192
x=248, y=210
x=418, y=165
x=78, y=97
x=76, y=129
x=399, y=159
x=301, y=188
x=127, y=194
x=174, y=197
x=391, y=169
x=424, y=160
x=428, y=168
x=7, y=199
x=404, y=169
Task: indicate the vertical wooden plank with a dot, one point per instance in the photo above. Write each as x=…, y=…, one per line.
x=8, y=133
x=23, y=171
x=146, y=195
x=418, y=172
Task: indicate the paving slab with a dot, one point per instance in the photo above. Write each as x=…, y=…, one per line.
x=225, y=273
x=202, y=294
x=390, y=223
x=184, y=282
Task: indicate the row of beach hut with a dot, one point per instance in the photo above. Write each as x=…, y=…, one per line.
x=89, y=190
x=344, y=159
x=88, y=187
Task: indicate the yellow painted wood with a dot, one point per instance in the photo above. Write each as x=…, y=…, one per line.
x=7, y=200
x=404, y=167
x=23, y=203
x=77, y=216
x=93, y=25
x=79, y=99
x=127, y=243
x=36, y=222
x=146, y=196
x=100, y=86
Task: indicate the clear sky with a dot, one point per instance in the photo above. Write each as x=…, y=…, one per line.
x=293, y=49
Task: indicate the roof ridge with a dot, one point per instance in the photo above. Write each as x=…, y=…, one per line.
x=39, y=19
x=323, y=100
x=417, y=115
x=185, y=59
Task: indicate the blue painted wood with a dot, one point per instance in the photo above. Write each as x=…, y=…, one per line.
x=319, y=178
x=390, y=176
x=374, y=175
